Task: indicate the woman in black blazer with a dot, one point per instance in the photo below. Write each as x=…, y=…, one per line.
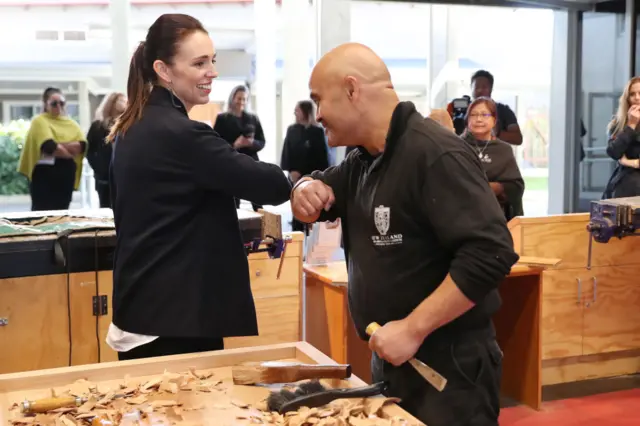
x=305, y=148
x=181, y=276
x=624, y=144
x=99, y=152
x=240, y=129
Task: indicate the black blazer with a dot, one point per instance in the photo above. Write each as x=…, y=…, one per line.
x=305, y=149
x=229, y=127
x=624, y=181
x=99, y=152
x=180, y=266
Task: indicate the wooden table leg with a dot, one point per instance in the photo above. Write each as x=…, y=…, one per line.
x=326, y=318
x=518, y=333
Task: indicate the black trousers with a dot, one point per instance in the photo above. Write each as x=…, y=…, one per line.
x=104, y=194
x=172, y=346
x=51, y=186
x=472, y=365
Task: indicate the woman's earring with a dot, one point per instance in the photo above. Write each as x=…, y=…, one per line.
x=173, y=96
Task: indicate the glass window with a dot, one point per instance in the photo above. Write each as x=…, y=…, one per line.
x=27, y=111
x=24, y=112
x=603, y=79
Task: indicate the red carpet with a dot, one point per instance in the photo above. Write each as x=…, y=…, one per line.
x=608, y=409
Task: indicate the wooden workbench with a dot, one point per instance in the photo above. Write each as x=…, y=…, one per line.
x=216, y=407
x=330, y=329
x=590, y=320
x=47, y=316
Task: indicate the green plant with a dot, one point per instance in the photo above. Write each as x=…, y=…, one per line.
x=11, y=139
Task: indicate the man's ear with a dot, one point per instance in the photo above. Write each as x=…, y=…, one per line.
x=351, y=87
x=162, y=70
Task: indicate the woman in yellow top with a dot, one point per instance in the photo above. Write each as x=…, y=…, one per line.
x=52, y=155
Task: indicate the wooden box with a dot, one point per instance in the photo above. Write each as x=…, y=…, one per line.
x=216, y=406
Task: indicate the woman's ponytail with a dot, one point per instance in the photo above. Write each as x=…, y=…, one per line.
x=138, y=89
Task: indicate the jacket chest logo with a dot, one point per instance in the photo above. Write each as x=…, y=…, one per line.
x=382, y=220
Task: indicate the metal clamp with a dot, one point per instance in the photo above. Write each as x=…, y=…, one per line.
x=4, y=321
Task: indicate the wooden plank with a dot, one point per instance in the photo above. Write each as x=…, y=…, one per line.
x=538, y=261
x=271, y=224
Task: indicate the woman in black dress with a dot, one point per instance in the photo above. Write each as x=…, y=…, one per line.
x=240, y=128
x=305, y=148
x=624, y=144
x=99, y=152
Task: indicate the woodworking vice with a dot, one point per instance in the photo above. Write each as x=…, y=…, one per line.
x=616, y=217
x=272, y=241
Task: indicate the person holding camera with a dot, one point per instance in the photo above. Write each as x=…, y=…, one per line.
x=240, y=128
x=506, y=128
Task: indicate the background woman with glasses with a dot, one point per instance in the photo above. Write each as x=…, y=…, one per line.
x=495, y=155
x=52, y=155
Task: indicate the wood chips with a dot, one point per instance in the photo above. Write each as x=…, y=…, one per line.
x=341, y=412
x=173, y=400
x=131, y=403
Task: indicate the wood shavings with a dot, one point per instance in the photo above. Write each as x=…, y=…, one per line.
x=239, y=404
x=342, y=412
x=201, y=375
x=164, y=403
x=23, y=421
x=140, y=399
x=161, y=400
x=107, y=398
x=151, y=385
x=88, y=406
x=81, y=388
x=169, y=387
x=373, y=406
x=132, y=398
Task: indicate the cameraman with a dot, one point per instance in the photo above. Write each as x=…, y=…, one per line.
x=239, y=128
x=507, y=128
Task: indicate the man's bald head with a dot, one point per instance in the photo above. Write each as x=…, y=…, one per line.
x=352, y=60
x=352, y=87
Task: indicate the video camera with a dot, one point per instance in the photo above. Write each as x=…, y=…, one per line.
x=248, y=130
x=460, y=107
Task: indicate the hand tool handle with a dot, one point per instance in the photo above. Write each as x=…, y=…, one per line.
x=430, y=375
x=318, y=371
x=48, y=404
